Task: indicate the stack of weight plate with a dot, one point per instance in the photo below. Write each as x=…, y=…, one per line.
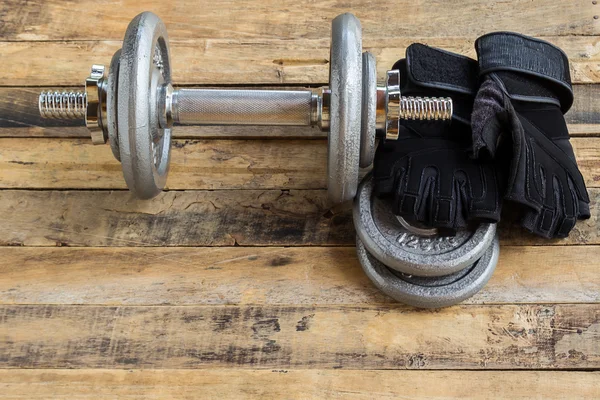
x=417, y=266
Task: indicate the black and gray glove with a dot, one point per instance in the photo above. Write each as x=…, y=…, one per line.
x=428, y=173
x=518, y=120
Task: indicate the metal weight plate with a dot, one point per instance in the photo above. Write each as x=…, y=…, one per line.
x=369, y=110
x=111, y=106
x=407, y=251
x=345, y=83
x=145, y=66
x=430, y=292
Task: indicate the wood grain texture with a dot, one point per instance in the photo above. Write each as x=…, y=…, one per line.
x=349, y=337
x=242, y=61
x=299, y=276
x=208, y=164
x=197, y=164
x=52, y=20
x=19, y=117
x=214, y=218
x=302, y=384
x=206, y=218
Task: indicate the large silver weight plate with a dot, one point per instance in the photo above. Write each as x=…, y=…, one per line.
x=401, y=249
x=144, y=147
x=345, y=83
x=430, y=292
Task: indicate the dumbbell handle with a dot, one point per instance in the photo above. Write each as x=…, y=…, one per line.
x=245, y=107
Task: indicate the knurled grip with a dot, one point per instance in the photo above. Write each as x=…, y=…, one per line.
x=243, y=107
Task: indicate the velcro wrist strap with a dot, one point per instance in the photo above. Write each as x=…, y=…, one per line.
x=440, y=69
x=513, y=52
x=439, y=73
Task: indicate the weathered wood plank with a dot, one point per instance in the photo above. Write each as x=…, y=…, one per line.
x=299, y=276
x=305, y=384
x=216, y=218
x=19, y=117
x=250, y=61
x=208, y=164
x=197, y=164
x=205, y=218
x=52, y=20
x=349, y=337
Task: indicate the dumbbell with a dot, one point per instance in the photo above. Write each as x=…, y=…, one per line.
x=135, y=107
x=417, y=265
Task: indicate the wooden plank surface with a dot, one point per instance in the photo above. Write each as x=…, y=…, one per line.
x=19, y=117
x=245, y=61
x=197, y=164
x=206, y=218
x=210, y=164
x=52, y=20
x=297, y=336
x=250, y=275
x=242, y=270
x=277, y=384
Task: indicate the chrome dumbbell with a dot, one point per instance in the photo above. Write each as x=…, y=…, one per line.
x=135, y=107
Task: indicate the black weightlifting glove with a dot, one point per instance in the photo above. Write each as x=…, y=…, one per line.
x=428, y=173
x=518, y=119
